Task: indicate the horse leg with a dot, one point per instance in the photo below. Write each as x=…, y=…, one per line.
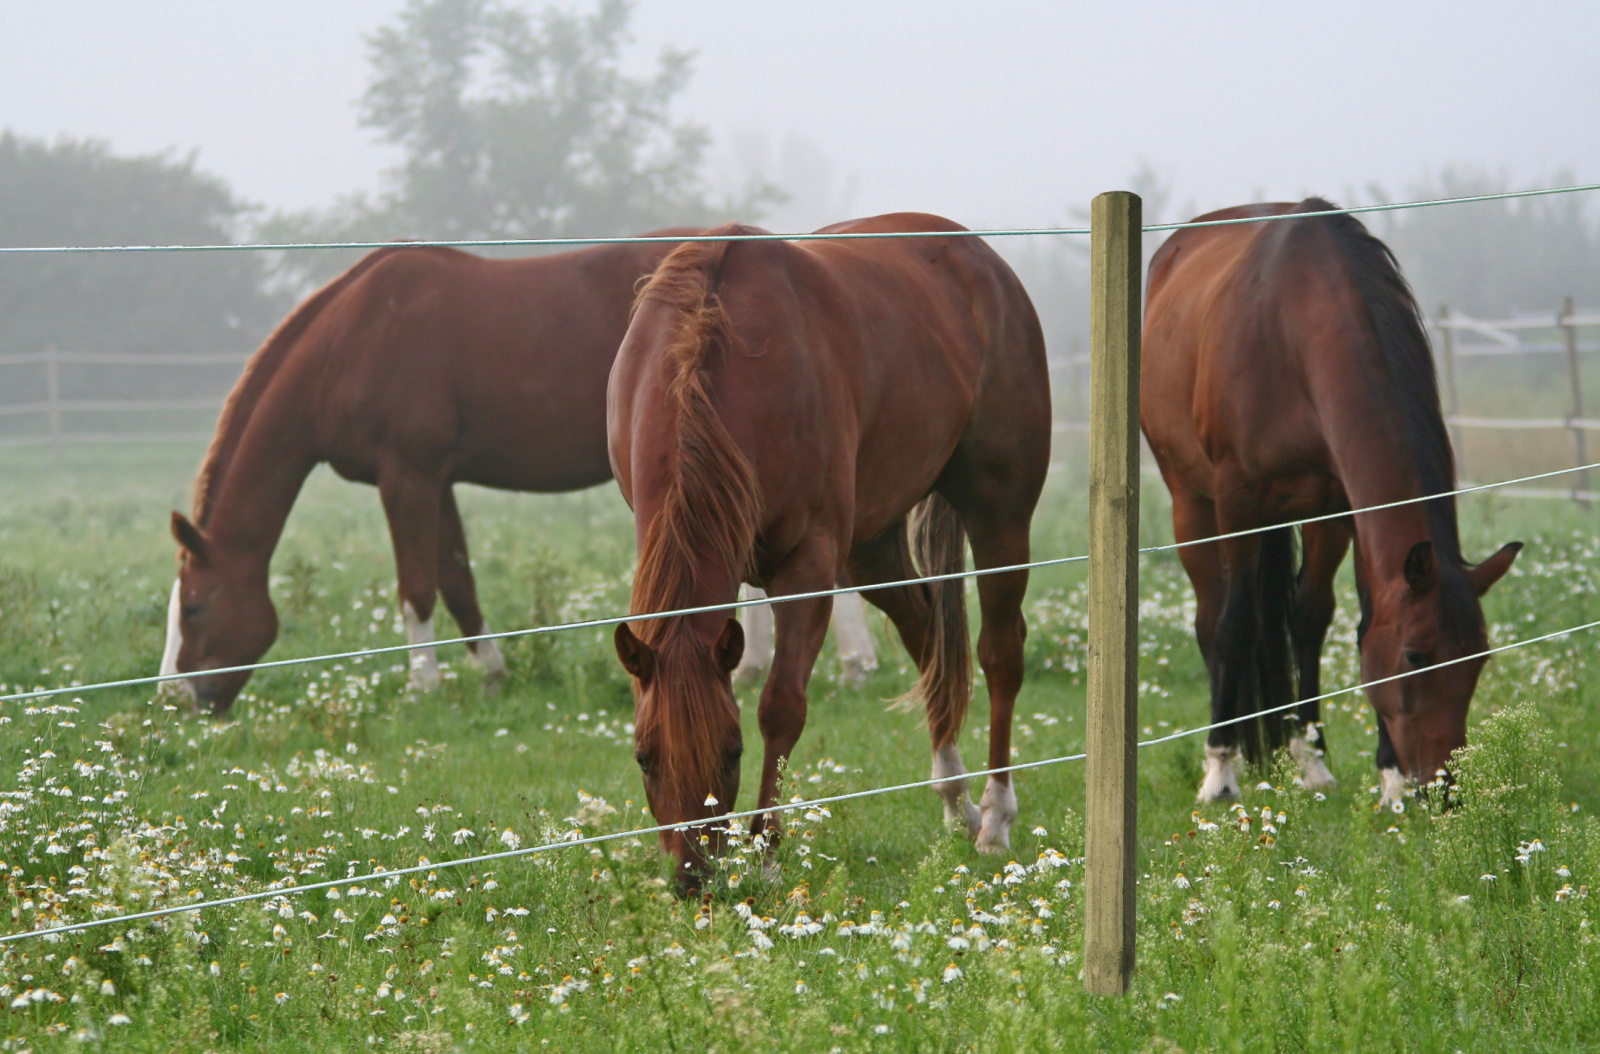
x=1391, y=777
x=1000, y=654
x=1194, y=516
x=800, y=628
x=411, y=505
x=857, y=656
x=1324, y=545
x=887, y=558
x=757, y=657
x=460, y=591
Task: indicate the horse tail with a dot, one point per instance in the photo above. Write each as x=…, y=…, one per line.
x=254, y=381
x=1274, y=685
x=939, y=547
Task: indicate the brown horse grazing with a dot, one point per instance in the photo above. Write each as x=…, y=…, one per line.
x=416, y=369
x=1287, y=374
x=779, y=413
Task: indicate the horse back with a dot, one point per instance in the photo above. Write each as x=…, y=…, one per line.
x=1247, y=330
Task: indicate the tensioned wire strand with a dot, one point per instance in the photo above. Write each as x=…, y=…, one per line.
x=131, y=682
x=792, y=806
x=1009, y=232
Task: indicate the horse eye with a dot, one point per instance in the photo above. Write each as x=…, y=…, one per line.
x=1417, y=659
x=644, y=763
x=190, y=610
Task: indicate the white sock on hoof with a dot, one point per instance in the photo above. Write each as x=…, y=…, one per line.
x=1314, y=773
x=999, y=809
x=1220, y=780
x=1393, y=783
x=487, y=654
x=958, y=807
x=857, y=656
x=424, y=675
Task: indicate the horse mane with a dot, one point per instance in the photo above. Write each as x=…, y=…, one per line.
x=711, y=512
x=252, y=384
x=1408, y=358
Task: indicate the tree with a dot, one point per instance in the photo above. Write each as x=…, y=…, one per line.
x=518, y=126
x=79, y=193
x=1494, y=258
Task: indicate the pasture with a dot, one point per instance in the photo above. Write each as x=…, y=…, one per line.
x=1290, y=922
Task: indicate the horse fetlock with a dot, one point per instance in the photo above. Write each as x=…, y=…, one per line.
x=999, y=811
x=1314, y=772
x=855, y=669
x=490, y=659
x=958, y=806
x=424, y=676
x=1221, y=780
x=1393, y=784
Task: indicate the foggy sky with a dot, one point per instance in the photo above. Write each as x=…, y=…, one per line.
x=993, y=114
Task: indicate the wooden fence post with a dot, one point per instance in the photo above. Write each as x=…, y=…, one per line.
x=1111, y=801
x=52, y=384
x=1452, y=399
x=1580, y=451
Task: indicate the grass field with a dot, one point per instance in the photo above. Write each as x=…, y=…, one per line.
x=1294, y=922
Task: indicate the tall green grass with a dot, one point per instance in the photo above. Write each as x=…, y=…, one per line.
x=1293, y=922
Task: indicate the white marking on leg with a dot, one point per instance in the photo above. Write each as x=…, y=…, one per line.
x=857, y=656
x=958, y=807
x=758, y=633
x=1314, y=774
x=1220, y=781
x=487, y=654
x=1394, y=787
x=424, y=661
x=169, y=654
x=999, y=807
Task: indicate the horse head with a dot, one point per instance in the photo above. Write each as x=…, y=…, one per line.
x=220, y=615
x=686, y=734
x=1429, y=636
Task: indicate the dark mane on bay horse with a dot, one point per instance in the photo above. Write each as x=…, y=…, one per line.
x=1287, y=374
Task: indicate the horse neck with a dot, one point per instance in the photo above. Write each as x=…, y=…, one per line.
x=264, y=476
x=1375, y=469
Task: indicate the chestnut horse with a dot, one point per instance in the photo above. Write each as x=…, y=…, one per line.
x=416, y=369
x=791, y=414
x=1287, y=374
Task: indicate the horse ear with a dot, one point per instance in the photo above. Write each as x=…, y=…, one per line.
x=636, y=656
x=1486, y=574
x=1419, y=567
x=730, y=646
x=189, y=536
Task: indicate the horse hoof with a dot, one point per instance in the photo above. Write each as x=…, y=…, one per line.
x=1394, y=787
x=854, y=672
x=1314, y=773
x=989, y=845
x=1220, y=781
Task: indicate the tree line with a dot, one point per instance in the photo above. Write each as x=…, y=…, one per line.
x=515, y=124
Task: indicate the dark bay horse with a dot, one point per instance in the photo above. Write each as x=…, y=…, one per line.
x=791, y=414
x=417, y=369
x=1287, y=374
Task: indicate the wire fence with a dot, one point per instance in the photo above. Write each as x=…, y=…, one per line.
x=724, y=819
x=284, y=891
x=557, y=243
x=734, y=605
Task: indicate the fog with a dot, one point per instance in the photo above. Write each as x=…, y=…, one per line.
x=199, y=122
x=994, y=114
